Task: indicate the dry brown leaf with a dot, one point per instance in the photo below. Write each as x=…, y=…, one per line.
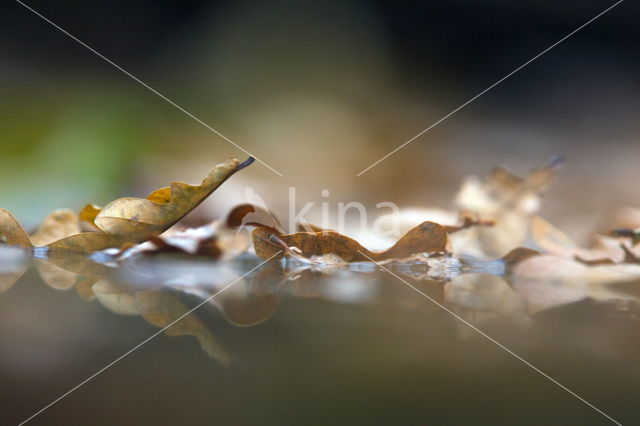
x=605, y=250
x=469, y=220
x=11, y=232
x=57, y=225
x=510, y=201
x=86, y=242
x=136, y=219
x=125, y=220
x=308, y=227
x=428, y=237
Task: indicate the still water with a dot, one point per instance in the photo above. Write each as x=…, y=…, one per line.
x=288, y=344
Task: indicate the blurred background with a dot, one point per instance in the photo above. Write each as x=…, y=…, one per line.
x=319, y=91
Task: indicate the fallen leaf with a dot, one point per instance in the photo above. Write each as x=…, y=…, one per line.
x=11, y=232
x=125, y=220
x=136, y=219
x=57, y=225
x=604, y=251
x=510, y=201
x=428, y=237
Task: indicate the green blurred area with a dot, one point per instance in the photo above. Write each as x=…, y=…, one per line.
x=67, y=148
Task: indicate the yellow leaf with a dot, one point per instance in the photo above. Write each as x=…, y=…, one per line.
x=89, y=212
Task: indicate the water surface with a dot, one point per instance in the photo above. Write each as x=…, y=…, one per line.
x=299, y=346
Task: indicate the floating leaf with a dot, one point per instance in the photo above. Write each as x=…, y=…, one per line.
x=136, y=219
x=428, y=237
x=11, y=232
x=125, y=220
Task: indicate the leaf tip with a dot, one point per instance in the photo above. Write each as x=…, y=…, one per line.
x=245, y=163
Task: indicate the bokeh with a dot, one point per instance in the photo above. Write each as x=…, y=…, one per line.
x=319, y=91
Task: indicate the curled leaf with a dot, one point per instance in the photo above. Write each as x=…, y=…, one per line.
x=428, y=237
x=133, y=220
x=11, y=232
x=508, y=199
x=137, y=219
x=88, y=213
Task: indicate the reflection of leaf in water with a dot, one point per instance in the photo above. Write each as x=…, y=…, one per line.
x=252, y=301
x=64, y=270
x=485, y=293
x=55, y=276
x=160, y=308
x=78, y=263
x=84, y=287
x=115, y=298
x=546, y=281
x=13, y=264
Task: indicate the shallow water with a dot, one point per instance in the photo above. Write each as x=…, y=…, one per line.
x=301, y=346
